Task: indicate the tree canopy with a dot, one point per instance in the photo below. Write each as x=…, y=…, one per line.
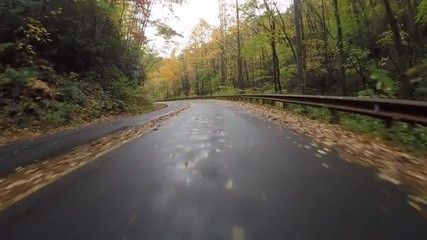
x=370, y=48
x=61, y=60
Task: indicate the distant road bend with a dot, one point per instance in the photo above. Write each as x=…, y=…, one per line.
x=23, y=153
x=214, y=172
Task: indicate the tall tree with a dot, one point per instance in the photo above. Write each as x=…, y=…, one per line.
x=400, y=53
x=240, y=81
x=299, y=46
x=341, y=52
x=223, y=30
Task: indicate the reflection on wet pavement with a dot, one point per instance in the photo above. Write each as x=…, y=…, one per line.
x=217, y=173
x=195, y=141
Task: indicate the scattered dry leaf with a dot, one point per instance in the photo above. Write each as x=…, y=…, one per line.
x=394, y=163
x=29, y=179
x=322, y=152
x=10, y=135
x=415, y=205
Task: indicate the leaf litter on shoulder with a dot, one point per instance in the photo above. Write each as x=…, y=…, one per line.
x=29, y=179
x=394, y=163
x=13, y=135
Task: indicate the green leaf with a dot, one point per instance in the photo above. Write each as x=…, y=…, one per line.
x=382, y=78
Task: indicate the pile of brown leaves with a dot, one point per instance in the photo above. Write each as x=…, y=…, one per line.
x=393, y=162
x=10, y=135
x=24, y=181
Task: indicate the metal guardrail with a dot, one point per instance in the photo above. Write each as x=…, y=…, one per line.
x=386, y=109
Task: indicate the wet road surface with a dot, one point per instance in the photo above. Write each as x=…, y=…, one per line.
x=216, y=172
x=23, y=153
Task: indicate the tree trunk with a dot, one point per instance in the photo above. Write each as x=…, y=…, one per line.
x=222, y=31
x=276, y=67
x=341, y=53
x=240, y=81
x=299, y=46
x=253, y=72
x=247, y=76
x=405, y=86
x=328, y=60
x=287, y=38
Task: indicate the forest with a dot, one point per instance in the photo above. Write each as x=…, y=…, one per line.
x=65, y=62
x=365, y=48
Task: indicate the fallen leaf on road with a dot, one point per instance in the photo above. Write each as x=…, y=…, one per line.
x=418, y=199
x=415, y=205
x=322, y=152
x=327, y=150
x=386, y=177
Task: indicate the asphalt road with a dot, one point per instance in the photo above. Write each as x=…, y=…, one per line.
x=23, y=153
x=216, y=173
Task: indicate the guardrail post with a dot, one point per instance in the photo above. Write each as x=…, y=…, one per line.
x=262, y=101
x=335, y=116
x=389, y=126
x=284, y=105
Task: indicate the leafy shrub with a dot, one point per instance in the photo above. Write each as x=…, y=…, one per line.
x=14, y=81
x=384, y=85
x=72, y=94
x=226, y=90
x=57, y=112
x=268, y=87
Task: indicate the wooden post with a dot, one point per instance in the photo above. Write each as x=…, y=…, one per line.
x=284, y=105
x=335, y=116
x=389, y=126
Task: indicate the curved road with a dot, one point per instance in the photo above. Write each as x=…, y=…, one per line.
x=23, y=153
x=216, y=172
